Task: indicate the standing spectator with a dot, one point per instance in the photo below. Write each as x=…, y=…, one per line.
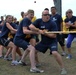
x=58, y=20
x=22, y=16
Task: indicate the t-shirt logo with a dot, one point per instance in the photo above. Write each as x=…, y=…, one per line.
x=70, y=22
x=54, y=19
x=42, y=27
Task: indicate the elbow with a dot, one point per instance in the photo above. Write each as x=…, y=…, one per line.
x=26, y=31
x=30, y=27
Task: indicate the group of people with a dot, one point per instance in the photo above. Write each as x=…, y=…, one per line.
x=25, y=35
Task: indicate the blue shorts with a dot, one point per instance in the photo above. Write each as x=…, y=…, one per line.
x=21, y=43
x=4, y=42
x=43, y=48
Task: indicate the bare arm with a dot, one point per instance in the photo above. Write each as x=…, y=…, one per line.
x=32, y=27
x=52, y=35
x=11, y=28
x=70, y=25
x=27, y=31
x=73, y=25
x=62, y=26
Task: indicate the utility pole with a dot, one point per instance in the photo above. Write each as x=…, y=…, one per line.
x=58, y=5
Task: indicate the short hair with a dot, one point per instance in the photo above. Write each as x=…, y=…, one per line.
x=30, y=11
x=22, y=13
x=53, y=7
x=1, y=16
x=46, y=9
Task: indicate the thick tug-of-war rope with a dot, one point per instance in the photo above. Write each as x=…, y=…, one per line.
x=60, y=32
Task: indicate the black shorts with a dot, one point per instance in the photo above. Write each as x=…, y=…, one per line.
x=4, y=42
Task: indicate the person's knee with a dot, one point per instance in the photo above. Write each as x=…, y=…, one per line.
x=68, y=45
x=30, y=47
x=54, y=53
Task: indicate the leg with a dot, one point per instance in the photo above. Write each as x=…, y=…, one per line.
x=60, y=61
x=19, y=52
x=32, y=60
x=58, y=58
x=33, y=43
x=1, y=50
x=69, y=41
x=25, y=53
x=59, y=37
x=7, y=54
x=54, y=47
x=13, y=47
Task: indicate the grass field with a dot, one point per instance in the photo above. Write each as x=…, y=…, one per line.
x=48, y=62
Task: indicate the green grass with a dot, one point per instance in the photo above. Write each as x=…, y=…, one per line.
x=48, y=62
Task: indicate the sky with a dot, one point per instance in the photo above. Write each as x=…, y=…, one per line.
x=14, y=7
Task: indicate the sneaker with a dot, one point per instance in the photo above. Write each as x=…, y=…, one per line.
x=36, y=70
x=63, y=72
x=8, y=58
x=1, y=56
x=50, y=53
x=14, y=63
x=69, y=56
x=63, y=54
x=22, y=63
x=38, y=65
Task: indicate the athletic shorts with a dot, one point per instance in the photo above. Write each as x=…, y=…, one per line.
x=43, y=48
x=4, y=42
x=59, y=37
x=21, y=43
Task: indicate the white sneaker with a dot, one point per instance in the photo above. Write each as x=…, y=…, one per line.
x=69, y=56
x=36, y=70
x=14, y=63
x=63, y=72
x=63, y=54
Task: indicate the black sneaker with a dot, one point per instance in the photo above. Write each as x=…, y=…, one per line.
x=50, y=53
x=22, y=63
x=38, y=65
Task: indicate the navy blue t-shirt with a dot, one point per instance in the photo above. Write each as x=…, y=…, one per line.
x=24, y=23
x=50, y=26
x=5, y=30
x=71, y=21
x=58, y=20
x=1, y=28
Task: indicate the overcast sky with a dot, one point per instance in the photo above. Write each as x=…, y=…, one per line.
x=14, y=7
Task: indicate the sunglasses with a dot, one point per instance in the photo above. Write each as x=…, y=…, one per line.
x=69, y=12
x=46, y=14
